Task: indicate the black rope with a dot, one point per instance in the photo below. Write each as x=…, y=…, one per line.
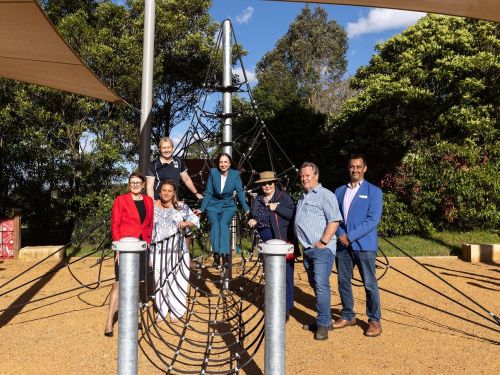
x=496, y=319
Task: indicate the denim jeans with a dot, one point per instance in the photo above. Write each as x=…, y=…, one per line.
x=318, y=264
x=365, y=260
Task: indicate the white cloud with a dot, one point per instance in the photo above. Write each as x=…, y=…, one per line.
x=250, y=75
x=381, y=20
x=246, y=15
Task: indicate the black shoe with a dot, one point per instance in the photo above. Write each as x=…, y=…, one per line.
x=322, y=333
x=287, y=316
x=108, y=334
x=225, y=260
x=313, y=327
x=216, y=262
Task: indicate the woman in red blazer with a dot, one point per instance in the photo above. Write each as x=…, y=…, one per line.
x=131, y=216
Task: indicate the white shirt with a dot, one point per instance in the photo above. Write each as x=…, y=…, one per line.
x=222, y=182
x=349, y=195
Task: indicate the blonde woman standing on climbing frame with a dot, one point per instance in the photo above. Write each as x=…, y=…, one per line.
x=168, y=167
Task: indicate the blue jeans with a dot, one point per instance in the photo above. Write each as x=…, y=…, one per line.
x=318, y=264
x=365, y=260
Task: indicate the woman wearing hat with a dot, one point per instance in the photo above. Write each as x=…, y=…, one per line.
x=272, y=213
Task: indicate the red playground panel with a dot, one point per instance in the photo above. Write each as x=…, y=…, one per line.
x=7, y=238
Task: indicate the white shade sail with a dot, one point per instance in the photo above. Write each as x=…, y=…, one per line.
x=481, y=9
x=33, y=51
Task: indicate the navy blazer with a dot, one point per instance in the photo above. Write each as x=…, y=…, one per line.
x=217, y=201
x=363, y=217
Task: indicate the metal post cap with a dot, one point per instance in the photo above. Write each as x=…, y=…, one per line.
x=129, y=244
x=276, y=247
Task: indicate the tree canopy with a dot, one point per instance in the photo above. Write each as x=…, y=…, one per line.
x=61, y=154
x=306, y=61
x=427, y=116
x=306, y=65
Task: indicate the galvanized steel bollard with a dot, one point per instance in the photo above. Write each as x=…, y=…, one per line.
x=130, y=251
x=275, y=305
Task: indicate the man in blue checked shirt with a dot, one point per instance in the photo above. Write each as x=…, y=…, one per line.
x=316, y=221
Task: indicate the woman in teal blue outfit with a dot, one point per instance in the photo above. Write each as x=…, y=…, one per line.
x=220, y=207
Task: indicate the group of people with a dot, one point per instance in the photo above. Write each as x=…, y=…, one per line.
x=157, y=217
x=328, y=225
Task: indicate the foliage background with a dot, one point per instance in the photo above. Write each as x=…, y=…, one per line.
x=424, y=110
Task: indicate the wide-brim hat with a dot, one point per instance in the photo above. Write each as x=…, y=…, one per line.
x=266, y=176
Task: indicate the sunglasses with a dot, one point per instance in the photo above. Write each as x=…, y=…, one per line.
x=270, y=183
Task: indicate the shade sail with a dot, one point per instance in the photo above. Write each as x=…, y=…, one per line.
x=33, y=51
x=481, y=9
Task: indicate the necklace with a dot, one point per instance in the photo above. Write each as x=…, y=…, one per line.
x=267, y=198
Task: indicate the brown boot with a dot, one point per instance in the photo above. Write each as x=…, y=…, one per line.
x=342, y=323
x=374, y=329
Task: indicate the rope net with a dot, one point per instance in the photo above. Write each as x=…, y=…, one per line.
x=192, y=323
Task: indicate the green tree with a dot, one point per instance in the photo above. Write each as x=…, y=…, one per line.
x=65, y=152
x=184, y=39
x=427, y=117
x=62, y=155
x=308, y=60
x=299, y=81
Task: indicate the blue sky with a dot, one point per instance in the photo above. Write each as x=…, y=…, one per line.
x=259, y=24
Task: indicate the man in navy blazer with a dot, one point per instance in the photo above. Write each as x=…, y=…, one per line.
x=361, y=208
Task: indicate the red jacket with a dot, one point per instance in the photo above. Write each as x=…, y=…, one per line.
x=125, y=220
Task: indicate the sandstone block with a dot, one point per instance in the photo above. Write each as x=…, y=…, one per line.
x=30, y=253
x=471, y=252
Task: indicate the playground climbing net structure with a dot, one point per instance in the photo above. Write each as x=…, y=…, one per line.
x=191, y=319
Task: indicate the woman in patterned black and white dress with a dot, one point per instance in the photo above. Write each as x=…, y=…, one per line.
x=170, y=258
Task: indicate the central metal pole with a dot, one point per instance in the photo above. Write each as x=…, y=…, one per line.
x=227, y=127
x=147, y=85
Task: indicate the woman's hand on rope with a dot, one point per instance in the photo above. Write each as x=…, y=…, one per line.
x=185, y=224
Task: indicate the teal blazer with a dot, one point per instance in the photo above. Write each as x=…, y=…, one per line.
x=217, y=201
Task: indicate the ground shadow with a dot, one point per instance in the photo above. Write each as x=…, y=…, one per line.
x=470, y=278
x=17, y=305
x=250, y=365
x=464, y=272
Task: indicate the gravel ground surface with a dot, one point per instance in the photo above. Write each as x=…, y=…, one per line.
x=424, y=331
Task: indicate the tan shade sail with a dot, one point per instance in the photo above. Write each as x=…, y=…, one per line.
x=481, y=9
x=32, y=51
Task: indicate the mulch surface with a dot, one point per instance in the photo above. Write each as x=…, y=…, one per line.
x=424, y=331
